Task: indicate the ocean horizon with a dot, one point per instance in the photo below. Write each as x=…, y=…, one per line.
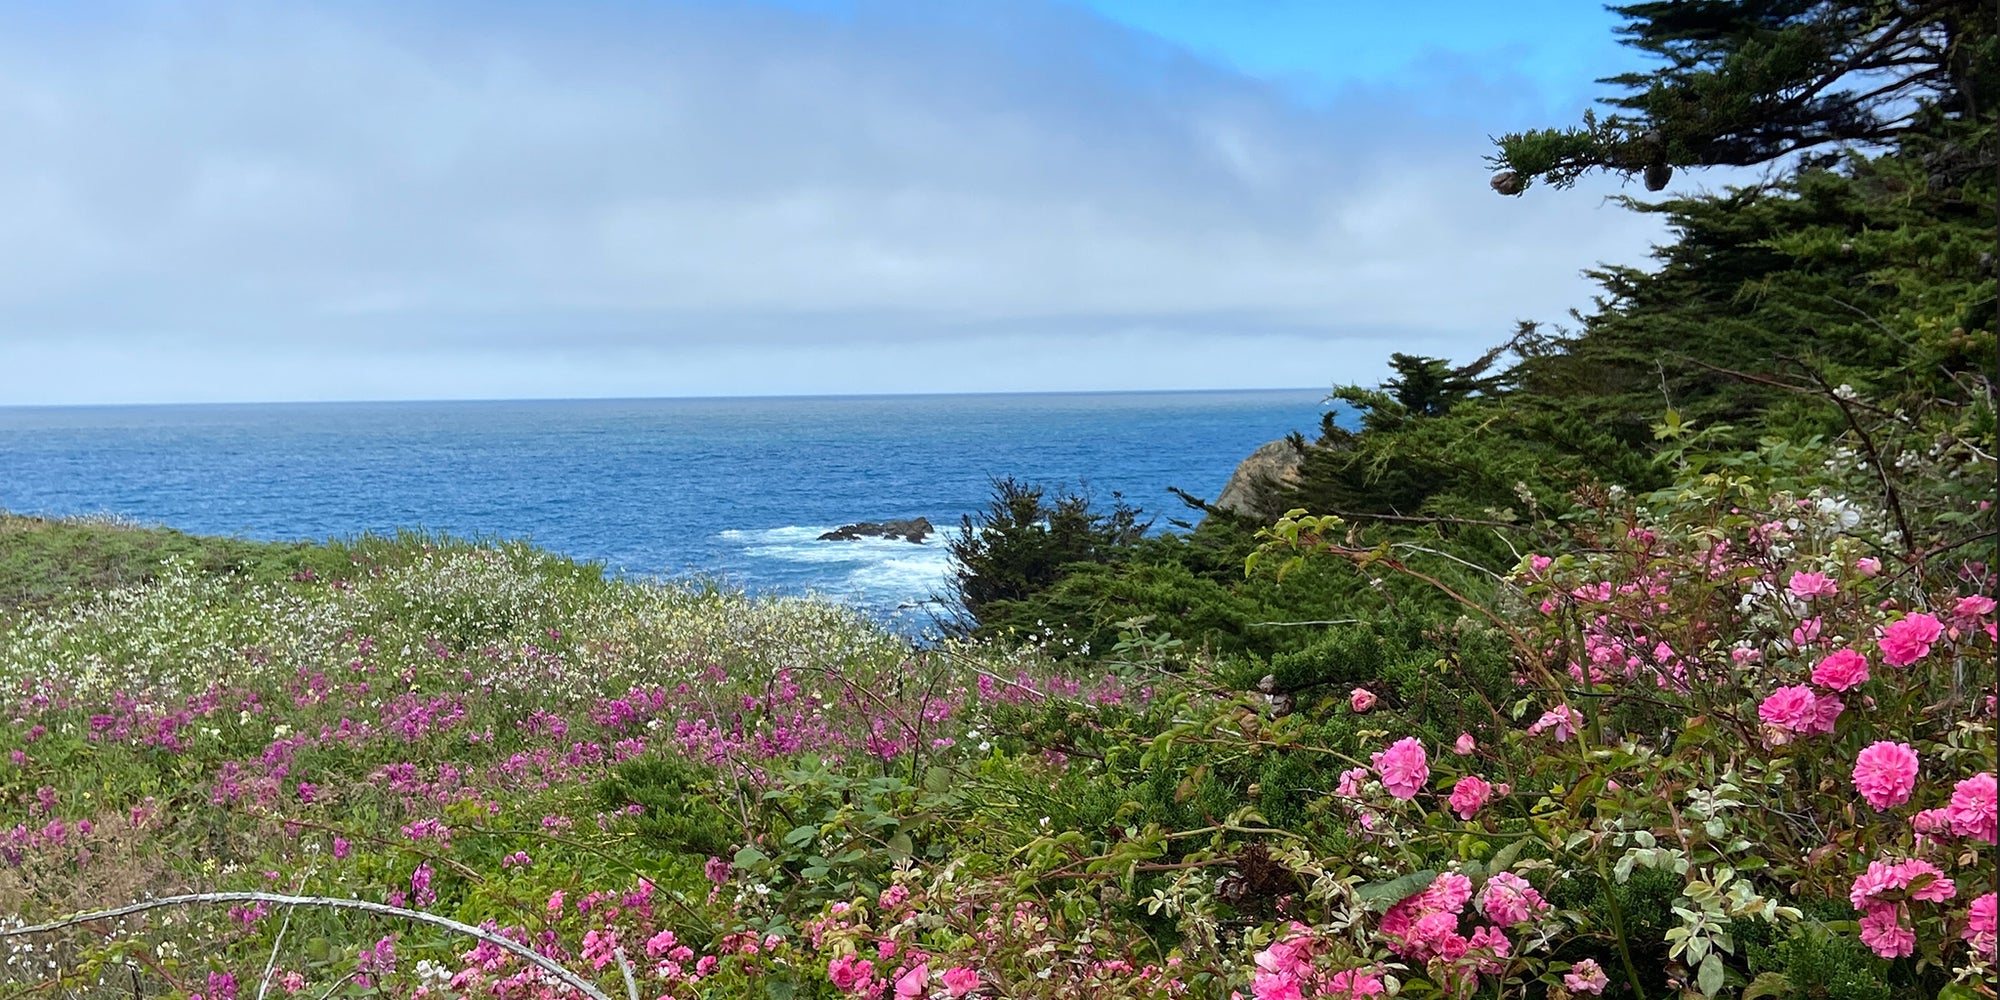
x=734, y=490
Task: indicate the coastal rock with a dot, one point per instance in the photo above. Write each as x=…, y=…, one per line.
x=912, y=530
x=1252, y=488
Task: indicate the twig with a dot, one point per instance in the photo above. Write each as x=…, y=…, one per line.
x=271, y=964
x=533, y=957
x=1328, y=621
x=625, y=966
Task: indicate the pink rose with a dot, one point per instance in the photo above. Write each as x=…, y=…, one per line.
x=1465, y=745
x=1885, y=773
x=1841, y=670
x=1790, y=709
x=1882, y=930
x=1972, y=812
x=1469, y=795
x=1868, y=565
x=959, y=980
x=1361, y=699
x=1972, y=608
x=1586, y=976
x=1908, y=639
x=1404, y=767
x=912, y=983
x=1507, y=899
x=1807, y=586
x=1980, y=926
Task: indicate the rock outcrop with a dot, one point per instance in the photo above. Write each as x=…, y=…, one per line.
x=912, y=530
x=1253, y=486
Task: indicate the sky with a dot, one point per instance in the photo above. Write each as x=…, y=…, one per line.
x=205, y=202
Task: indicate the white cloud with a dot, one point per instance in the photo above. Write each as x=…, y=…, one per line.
x=306, y=201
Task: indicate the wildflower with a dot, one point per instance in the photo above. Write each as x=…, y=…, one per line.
x=1469, y=795
x=1972, y=812
x=1807, y=586
x=340, y=848
x=1908, y=639
x=1586, y=976
x=1841, y=670
x=1404, y=767
x=1361, y=700
x=1885, y=773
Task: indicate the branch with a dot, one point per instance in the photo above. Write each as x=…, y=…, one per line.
x=507, y=944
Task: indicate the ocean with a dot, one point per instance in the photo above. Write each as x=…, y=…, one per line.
x=733, y=490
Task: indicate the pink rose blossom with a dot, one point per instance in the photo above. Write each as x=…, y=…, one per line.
x=1807, y=586
x=1586, y=976
x=1980, y=926
x=912, y=983
x=1361, y=700
x=1508, y=899
x=1932, y=823
x=1908, y=639
x=1351, y=781
x=1972, y=811
x=1842, y=670
x=1562, y=718
x=1791, y=710
x=1469, y=795
x=1883, y=932
x=959, y=980
x=1868, y=565
x=1404, y=767
x=1465, y=745
x=1353, y=984
x=1885, y=773
x=1972, y=608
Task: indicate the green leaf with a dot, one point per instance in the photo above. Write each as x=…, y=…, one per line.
x=901, y=846
x=1504, y=857
x=750, y=857
x=800, y=835
x=1379, y=896
x=1709, y=979
x=1769, y=984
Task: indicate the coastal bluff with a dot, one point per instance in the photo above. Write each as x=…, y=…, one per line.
x=1253, y=487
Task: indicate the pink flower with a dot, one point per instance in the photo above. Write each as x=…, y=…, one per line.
x=1908, y=639
x=1508, y=899
x=1353, y=983
x=1808, y=632
x=1469, y=795
x=1351, y=781
x=1932, y=823
x=1872, y=887
x=1465, y=745
x=1980, y=927
x=850, y=973
x=1972, y=608
x=1883, y=932
x=1404, y=767
x=959, y=980
x=911, y=983
x=1868, y=565
x=1885, y=773
x=1810, y=585
x=1562, y=718
x=555, y=902
x=659, y=944
x=1586, y=976
x=1791, y=710
x=1841, y=670
x=1825, y=711
x=1361, y=700
x=1972, y=811
x=1493, y=942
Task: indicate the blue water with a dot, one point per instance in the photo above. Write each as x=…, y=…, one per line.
x=729, y=489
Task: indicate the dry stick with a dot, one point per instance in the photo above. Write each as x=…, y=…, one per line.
x=533, y=957
x=1875, y=455
x=271, y=964
x=625, y=966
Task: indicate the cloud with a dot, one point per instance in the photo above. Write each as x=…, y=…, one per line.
x=276, y=200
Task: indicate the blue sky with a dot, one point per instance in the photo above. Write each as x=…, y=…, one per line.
x=318, y=200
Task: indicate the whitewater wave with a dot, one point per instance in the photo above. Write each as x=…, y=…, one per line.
x=881, y=573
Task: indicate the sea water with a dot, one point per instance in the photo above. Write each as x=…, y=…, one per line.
x=735, y=490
